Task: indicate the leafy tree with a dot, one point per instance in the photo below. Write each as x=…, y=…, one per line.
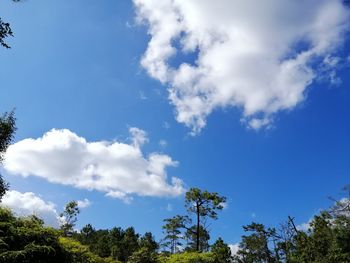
x=127, y=246
x=203, y=205
x=143, y=255
x=255, y=247
x=78, y=253
x=27, y=240
x=7, y=131
x=191, y=236
x=172, y=230
x=86, y=234
x=221, y=252
x=147, y=241
x=69, y=217
x=188, y=257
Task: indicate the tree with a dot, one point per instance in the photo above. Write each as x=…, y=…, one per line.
x=86, y=234
x=5, y=31
x=143, y=255
x=127, y=246
x=7, y=131
x=69, y=218
x=172, y=230
x=204, y=205
x=147, y=241
x=255, y=247
x=191, y=236
x=221, y=251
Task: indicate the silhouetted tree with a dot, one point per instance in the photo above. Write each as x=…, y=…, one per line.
x=5, y=31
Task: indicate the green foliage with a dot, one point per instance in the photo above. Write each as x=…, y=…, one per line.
x=7, y=127
x=201, y=204
x=78, y=253
x=188, y=257
x=26, y=240
x=147, y=241
x=123, y=245
x=204, y=203
x=191, y=237
x=255, y=247
x=172, y=231
x=326, y=241
x=143, y=255
x=221, y=252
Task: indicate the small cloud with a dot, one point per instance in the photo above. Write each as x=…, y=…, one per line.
x=234, y=248
x=142, y=95
x=253, y=215
x=84, y=203
x=224, y=205
x=129, y=25
x=138, y=136
x=166, y=125
x=169, y=207
x=304, y=226
x=163, y=143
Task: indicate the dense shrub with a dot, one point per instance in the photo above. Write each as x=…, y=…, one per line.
x=188, y=257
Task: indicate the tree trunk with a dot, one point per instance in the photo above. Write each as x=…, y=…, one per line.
x=197, y=234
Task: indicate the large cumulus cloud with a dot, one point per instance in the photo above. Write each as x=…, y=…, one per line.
x=258, y=56
x=117, y=168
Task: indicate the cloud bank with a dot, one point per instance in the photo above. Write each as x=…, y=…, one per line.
x=258, y=56
x=118, y=169
x=24, y=204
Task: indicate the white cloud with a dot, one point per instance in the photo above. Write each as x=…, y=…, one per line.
x=259, y=56
x=169, y=207
x=166, y=124
x=163, y=143
x=304, y=226
x=116, y=168
x=142, y=96
x=84, y=203
x=234, y=248
x=224, y=205
x=24, y=204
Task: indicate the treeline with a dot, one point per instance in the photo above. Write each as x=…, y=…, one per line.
x=186, y=237
x=326, y=239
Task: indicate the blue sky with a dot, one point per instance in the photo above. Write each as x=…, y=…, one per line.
x=83, y=66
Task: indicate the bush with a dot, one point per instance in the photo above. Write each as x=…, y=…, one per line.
x=188, y=257
x=78, y=253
